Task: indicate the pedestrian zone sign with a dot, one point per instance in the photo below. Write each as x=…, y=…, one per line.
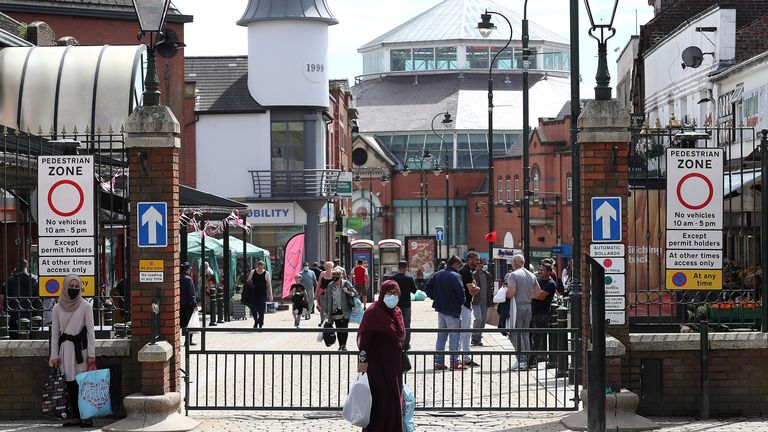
x=606, y=219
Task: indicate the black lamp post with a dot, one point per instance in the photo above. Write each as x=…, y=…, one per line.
x=606, y=31
x=526, y=225
x=485, y=26
x=446, y=121
x=151, y=14
x=425, y=164
x=370, y=172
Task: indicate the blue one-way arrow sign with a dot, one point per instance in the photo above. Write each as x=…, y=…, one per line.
x=152, y=223
x=606, y=219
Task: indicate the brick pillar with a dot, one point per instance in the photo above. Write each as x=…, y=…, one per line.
x=604, y=139
x=152, y=140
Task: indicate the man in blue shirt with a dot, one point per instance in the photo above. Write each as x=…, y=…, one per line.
x=447, y=291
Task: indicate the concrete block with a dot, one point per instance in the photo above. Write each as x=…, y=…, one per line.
x=153, y=414
x=604, y=121
x=619, y=414
x=159, y=352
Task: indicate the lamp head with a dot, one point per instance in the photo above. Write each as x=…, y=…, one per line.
x=604, y=13
x=405, y=170
x=426, y=154
x=151, y=14
x=477, y=208
x=384, y=179
x=485, y=26
x=447, y=119
x=357, y=179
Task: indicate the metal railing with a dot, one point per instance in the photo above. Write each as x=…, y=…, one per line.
x=308, y=183
x=228, y=378
x=652, y=304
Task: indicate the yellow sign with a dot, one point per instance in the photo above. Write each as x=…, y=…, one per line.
x=694, y=279
x=150, y=265
x=50, y=286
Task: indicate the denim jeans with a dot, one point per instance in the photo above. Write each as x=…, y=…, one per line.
x=444, y=322
x=466, y=323
x=480, y=312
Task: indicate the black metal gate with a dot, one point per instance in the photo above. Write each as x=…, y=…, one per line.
x=651, y=302
x=24, y=313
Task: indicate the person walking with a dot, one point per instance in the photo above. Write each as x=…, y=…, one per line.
x=309, y=281
x=360, y=280
x=262, y=292
x=339, y=295
x=298, y=299
x=407, y=285
x=470, y=290
x=73, y=341
x=541, y=311
x=381, y=338
x=187, y=301
x=522, y=286
x=481, y=302
x=447, y=292
x=325, y=279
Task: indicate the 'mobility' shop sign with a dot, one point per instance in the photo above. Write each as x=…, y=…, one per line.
x=282, y=213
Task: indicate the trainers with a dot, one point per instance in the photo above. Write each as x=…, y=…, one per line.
x=518, y=367
x=343, y=348
x=470, y=363
x=459, y=366
x=440, y=366
x=477, y=343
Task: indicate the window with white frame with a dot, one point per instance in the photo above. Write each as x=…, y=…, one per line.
x=509, y=189
x=568, y=188
x=536, y=185
x=500, y=191
x=517, y=189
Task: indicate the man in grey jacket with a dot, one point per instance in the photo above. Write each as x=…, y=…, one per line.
x=522, y=286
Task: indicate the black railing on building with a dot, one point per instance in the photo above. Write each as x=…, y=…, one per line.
x=308, y=183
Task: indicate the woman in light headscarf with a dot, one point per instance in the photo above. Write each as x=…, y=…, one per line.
x=73, y=341
x=381, y=338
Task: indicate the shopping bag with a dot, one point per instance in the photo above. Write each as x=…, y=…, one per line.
x=55, y=395
x=329, y=335
x=357, y=312
x=194, y=319
x=501, y=295
x=93, y=398
x=409, y=409
x=420, y=295
x=357, y=407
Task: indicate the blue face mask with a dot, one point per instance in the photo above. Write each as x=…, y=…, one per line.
x=391, y=300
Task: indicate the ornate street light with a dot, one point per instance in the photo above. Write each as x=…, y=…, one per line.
x=447, y=120
x=604, y=26
x=151, y=14
x=486, y=27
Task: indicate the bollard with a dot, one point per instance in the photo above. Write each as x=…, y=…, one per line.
x=704, y=339
x=128, y=328
x=552, y=336
x=220, y=303
x=37, y=323
x=108, y=316
x=25, y=327
x=562, y=342
x=212, y=306
x=4, y=326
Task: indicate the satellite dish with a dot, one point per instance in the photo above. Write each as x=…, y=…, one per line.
x=168, y=43
x=692, y=57
x=359, y=156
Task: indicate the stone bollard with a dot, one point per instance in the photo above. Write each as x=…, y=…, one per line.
x=212, y=306
x=220, y=304
x=619, y=414
x=25, y=327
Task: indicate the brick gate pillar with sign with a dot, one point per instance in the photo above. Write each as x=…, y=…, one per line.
x=152, y=139
x=604, y=139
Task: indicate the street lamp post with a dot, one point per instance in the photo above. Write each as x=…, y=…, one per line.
x=485, y=26
x=370, y=172
x=446, y=121
x=526, y=136
x=419, y=162
x=151, y=15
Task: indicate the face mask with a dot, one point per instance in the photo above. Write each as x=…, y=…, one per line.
x=391, y=300
x=73, y=292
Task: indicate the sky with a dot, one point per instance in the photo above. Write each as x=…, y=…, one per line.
x=214, y=31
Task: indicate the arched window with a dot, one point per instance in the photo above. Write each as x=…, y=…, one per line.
x=535, y=183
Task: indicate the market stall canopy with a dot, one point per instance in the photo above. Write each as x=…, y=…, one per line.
x=207, y=203
x=68, y=87
x=252, y=251
x=213, y=248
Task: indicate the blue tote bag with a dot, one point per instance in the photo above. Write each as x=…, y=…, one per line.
x=93, y=396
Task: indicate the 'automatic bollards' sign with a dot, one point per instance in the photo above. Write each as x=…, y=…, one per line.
x=694, y=237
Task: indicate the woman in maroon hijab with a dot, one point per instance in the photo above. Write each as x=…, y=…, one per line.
x=380, y=340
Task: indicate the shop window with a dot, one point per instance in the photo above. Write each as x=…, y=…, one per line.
x=423, y=58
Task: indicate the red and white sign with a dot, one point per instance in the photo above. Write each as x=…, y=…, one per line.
x=695, y=189
x=65, y=196
x=612, y=264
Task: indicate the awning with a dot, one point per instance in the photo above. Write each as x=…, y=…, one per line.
x=734, y=182
x=207, y=203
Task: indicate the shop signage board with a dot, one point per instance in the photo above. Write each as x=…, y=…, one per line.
x=694, y=236
x=66, y=228
x=343, y=187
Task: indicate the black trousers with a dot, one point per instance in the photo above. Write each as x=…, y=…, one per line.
x=342, y=337
x=258, y=310
x=539, y=340
x=73, y=389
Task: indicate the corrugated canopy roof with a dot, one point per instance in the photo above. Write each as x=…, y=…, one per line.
x=278, y=10
x=89, y=7
x=457, y=20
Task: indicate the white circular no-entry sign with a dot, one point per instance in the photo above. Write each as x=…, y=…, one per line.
x=65, y=198
x=694, y=191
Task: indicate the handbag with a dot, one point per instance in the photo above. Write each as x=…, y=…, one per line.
x=93, y=398
x=329, y=336
x=357, y=407
x=356, y=316
x=55, y=395
x=194, y=319
x=406, y=362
